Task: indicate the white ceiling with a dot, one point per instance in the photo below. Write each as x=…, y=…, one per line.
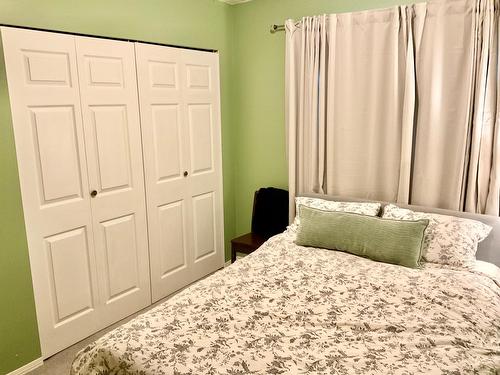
x=234, y=2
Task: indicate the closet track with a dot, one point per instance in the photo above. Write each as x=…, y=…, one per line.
x=109, y=38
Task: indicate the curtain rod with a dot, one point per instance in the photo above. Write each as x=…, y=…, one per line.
x=275, y=28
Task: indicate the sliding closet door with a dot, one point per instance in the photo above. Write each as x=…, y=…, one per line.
x=112, y=130
x=44, y=94
x=179, y=99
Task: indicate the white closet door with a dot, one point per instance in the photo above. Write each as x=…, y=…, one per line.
x=164, y=144
x=44, y=94
x=179, y=100
x=201, y=112
x=112, y=130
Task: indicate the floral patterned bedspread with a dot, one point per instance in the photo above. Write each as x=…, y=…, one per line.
x=287, y=309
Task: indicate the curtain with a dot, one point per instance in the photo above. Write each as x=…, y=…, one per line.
x=350, y=71
x=444, y=61
x=483, y=184
x=396, y=104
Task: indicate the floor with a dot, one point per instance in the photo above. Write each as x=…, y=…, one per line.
x=60, y=363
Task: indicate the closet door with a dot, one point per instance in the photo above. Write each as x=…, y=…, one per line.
x=45, y=102
x=179, y=100
x=112, y=130
x=201, y=114
x=165, y=142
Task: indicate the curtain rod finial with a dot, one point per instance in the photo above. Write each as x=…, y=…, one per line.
x=275, y=28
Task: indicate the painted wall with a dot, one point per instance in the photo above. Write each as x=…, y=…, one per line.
x=258, y=98
x=194, y=23
x=18, y=329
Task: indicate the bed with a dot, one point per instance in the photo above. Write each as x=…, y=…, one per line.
x=287, y=309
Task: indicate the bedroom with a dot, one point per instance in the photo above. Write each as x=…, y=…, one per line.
x=252, y=103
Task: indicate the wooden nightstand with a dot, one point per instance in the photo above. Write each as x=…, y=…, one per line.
x=245, y=244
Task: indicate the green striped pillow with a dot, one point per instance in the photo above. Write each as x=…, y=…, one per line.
x=384, y=240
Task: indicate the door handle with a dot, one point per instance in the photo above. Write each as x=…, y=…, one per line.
x=186, y=173
x=93, y=193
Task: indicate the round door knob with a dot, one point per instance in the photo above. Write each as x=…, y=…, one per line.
x=93, y=193
x=185, y=173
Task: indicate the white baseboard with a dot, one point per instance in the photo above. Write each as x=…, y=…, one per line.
x=27, y=367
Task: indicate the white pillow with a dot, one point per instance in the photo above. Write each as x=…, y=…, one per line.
x=448, y=239
x=488, y=269
x=364, y=208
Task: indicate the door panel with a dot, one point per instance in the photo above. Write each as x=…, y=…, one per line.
x=201, y=145
x=172, y=237
x=70, y=274
x=167, y=141
x=56, y=153
x=163, y=74
x=179, y=97
x=204, y=226
x=173, y=244
x=47, y=67
x=114, y=156
x=104, y=71
x=122, y=276
x=45, y=102
x=110, y=129
x=198, y=76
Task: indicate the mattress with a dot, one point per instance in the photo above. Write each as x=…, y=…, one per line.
x=287, y=309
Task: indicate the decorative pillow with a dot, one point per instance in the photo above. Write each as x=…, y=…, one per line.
x=448, y=239
x=364, y=208
x=384, y=240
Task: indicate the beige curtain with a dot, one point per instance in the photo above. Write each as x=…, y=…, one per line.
x=483, y=184
x=370, y=101
x=396, y=104
x=349, y=107
x=306, y=100
x=444, y=61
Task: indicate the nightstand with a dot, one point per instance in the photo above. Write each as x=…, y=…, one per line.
x=245, y=244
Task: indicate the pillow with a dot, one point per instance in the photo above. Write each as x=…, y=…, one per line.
x=385, y=240
x=489, y=269
x=364, y=208
x=448, y=239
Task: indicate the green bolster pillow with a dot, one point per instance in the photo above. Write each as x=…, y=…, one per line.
x=384, y=240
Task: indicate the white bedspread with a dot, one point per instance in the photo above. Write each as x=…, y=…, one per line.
x=287, y=309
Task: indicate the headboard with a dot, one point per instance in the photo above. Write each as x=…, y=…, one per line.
x=488, y=250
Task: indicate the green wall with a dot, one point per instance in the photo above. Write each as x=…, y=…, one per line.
x=194, y=23
x=18, y=329
x=258, y=72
